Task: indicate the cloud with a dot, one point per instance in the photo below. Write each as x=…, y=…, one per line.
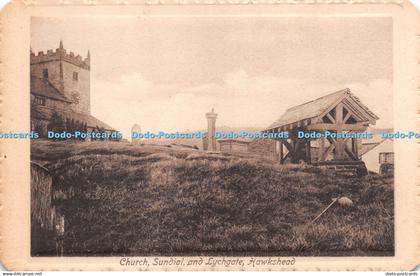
x=135, y=82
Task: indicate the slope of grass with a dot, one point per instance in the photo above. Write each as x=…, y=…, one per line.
x=146, y=200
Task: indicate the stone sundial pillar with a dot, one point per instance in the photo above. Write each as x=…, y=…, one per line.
x=211, y=128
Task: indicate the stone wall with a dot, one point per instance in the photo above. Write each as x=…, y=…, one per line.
x=77, y=91
x=265, y=148
x=232, y=146
x=53, y=67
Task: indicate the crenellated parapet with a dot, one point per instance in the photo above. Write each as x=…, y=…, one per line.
x=61, y=54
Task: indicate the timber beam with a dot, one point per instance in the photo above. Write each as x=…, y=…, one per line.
x=337, y=127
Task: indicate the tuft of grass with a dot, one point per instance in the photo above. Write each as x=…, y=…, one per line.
x=118, y=198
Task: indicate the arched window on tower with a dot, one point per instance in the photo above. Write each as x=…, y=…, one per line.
x=45, y=74
x=75, y=76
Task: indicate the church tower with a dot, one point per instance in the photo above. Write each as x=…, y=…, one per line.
x=68, y=73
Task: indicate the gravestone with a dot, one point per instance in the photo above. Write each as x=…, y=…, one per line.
x=135, y=129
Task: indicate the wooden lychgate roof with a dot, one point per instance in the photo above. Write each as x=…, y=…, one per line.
x=304, y=114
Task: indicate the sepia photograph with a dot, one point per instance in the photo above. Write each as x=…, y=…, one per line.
x=209, y=136
x=212, y=136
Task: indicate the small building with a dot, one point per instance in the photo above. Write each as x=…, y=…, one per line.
x=377, y=151
x=386, y=161
x=380, y=156
x=339, y=112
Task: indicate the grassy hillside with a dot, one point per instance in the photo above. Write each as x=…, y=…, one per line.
x=122, y=199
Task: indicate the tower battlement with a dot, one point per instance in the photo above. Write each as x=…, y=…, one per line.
x=61, y=54
x=69, y=73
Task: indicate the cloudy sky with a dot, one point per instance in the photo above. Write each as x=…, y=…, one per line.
x=166, y=73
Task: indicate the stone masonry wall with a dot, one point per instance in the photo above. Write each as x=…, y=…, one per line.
x=265, y=148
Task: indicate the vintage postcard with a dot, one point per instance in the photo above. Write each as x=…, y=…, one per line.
x=209, y=135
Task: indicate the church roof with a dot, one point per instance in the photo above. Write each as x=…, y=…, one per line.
x=45, y=113
x=89, y=119
x=43, y=87
x=312, y=109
